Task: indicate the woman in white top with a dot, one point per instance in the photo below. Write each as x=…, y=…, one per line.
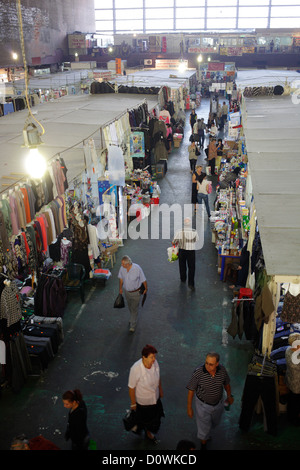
x=145, y=392
x=202, y=185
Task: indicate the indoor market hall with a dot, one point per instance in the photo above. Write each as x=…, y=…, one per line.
x=98, y=350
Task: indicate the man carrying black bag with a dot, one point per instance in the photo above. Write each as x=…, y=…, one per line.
x=131, y=278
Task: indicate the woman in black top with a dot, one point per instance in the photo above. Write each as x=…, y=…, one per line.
x=193, y=118
x=77, y=429
x=195, y=178
x=220, y=148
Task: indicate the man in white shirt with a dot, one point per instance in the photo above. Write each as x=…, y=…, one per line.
x=186, y=239
x=131, y=278
x=145, y=392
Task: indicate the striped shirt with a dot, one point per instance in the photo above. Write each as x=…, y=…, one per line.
x=186, y=238
x=209, y=388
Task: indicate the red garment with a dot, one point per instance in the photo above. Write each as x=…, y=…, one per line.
x=245, y=292
x=26, y=205
x=26, y=245
x=43, y=223
x=40, y=443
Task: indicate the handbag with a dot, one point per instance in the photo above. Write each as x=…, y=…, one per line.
x=197, y=152
x=119, y=302
x=130, y=420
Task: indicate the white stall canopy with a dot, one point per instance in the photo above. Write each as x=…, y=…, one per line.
x=271, y=126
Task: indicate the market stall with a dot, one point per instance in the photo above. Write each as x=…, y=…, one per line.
x=261, y=230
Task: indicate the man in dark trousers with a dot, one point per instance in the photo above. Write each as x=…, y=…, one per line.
x=208, y=383
x=185, y=239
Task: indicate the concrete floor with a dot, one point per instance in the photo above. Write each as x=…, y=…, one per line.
x=98, y=349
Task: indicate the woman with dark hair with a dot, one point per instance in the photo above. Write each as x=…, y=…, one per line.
x=145, y=392
x=193, y=119
x=195, y=178
x=77, y=429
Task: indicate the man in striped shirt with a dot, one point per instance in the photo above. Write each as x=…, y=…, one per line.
x=208, y=382
x=186, y=239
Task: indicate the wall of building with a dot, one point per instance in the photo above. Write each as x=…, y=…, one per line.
x=45, y=28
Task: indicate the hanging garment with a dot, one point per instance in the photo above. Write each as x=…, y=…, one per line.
x=3, y=232
x=65, y=247
x=10, y=306
x=6, y=211
x=291, y=308
x=256, y=387
x=116, y=167
x=14, y=214
x=264, y=307
x=19, y=365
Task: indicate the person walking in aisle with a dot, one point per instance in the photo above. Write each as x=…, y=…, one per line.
x=201, y=132
x=145, y=393
x=77, y=429
x=193, y=119
x=131, y=279
x=195, y=178
x=186, y=239
x=208, y=382
x=224, y=115
x=202, y=194
x=212, y=154
x=192, y=155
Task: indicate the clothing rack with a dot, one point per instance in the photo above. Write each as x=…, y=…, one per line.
x=241, y=300
x=261, y=366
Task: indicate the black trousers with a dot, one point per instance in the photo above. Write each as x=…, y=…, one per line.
x=212, y=164
x=293, y=408
x=187, y=264
x=255, y=387
x=193, y=164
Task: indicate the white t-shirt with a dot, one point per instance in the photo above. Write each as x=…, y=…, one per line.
x=202, y=187
x=145, y=381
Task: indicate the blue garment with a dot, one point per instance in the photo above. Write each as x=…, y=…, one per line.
x=204, y=197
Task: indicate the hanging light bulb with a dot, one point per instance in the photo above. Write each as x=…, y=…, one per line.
x=182, y=67
x=35, y=163
x=199, y=58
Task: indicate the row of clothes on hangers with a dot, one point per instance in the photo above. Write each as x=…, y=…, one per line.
x=287, y=324
x=26, y=251
x=50, y=296
x=20, y=205
x=29, y=350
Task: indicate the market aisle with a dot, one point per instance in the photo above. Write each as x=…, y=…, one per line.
x=98, y=349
